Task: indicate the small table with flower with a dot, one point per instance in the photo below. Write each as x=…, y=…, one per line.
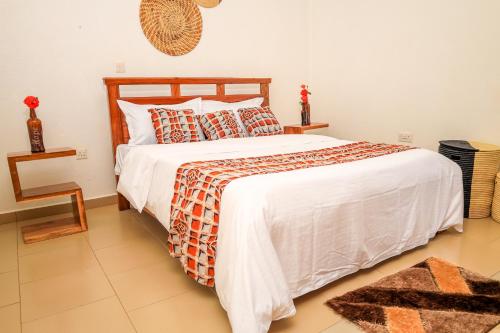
x=61, y=227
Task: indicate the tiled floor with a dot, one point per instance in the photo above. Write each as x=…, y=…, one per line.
x=118, y=277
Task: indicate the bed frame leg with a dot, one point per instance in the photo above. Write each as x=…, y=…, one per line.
x=123, y=203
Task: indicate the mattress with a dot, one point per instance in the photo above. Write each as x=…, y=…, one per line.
x=285, y=234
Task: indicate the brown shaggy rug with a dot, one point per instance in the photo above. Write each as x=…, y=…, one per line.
x=433, y=296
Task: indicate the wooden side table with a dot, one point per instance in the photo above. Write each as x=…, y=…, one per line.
x=300, y=129
x=57, y=228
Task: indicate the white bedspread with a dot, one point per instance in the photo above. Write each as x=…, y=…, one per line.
x=283, y=235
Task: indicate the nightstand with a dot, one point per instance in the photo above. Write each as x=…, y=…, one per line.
x=57, y=228
x=300, y=129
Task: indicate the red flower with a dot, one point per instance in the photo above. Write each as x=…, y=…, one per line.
x=304, y=94
x=32, y=102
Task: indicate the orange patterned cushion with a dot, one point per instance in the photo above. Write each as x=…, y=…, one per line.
x=220, y=125
x=174, y=126
x=260, y=121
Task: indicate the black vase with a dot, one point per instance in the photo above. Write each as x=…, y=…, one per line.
x=306, y=114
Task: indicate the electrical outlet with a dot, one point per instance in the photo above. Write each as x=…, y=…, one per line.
x=120, y=67
x=81, y=154
x=406, y=137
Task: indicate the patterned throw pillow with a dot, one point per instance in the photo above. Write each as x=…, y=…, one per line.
x=260, y=121
x=174, y=126
x=220, y=125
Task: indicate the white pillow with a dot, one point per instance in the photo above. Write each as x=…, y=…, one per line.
x=140, y=126
x=212, y=106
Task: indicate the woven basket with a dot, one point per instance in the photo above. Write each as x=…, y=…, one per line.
x=208, y=3
x=479, y=163
x=172, y=26
x=495, y=209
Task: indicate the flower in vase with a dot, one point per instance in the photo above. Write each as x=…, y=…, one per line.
x=32, y=102
x=304, y=94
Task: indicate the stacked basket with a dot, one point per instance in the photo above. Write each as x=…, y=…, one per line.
x=479, y=163
x=495, y=210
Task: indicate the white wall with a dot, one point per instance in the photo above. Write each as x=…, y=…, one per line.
x=375, y=67
x=425, y=66
x=59, y=50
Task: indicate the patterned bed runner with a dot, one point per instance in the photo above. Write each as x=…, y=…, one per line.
x=194, y=215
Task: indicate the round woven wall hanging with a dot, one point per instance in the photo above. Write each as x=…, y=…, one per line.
x=208, y=3
x=172, y=26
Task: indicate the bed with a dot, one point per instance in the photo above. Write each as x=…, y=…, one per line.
x=284, y=234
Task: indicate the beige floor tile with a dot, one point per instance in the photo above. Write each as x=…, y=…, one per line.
x=102, y=210
x=10, y=319
x=454, y=247
x=63, y=275
x=495, y=246
x=478, y=256
x=56, y=262
x=312, y=305
x=175, y=315
x=53, y=295
x=108, y=214
x=105, y=316
x=483, y=230
x=139, y=252
x=8, y=251
x=9, y=288
x=146, y=285
x=496, y=329
x=493, y=249
x=154, y=227
x=343, y=326
x=106, y=233
x=404, y=260
x=48, y=245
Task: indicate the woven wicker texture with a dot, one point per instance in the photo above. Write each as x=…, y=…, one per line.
x=208, y=3
x=172, y=26
x=479, y=163
x=495, y=210
x=483, y=183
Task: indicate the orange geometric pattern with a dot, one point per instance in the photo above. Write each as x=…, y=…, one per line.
x=448, y=277
x=174, y=126
x=260, y=121
x=195, y=208
x=220, y=125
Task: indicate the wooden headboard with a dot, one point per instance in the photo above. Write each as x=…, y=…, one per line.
x=119, y=128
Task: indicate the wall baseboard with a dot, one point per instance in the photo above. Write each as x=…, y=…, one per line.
x=34, y=213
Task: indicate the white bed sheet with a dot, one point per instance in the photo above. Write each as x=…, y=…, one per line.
x=121, y=153
x=283, y=235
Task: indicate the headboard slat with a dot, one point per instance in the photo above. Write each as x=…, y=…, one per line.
x=123, y=81
x=221, y=89
x=175, y=89
x=182, y=99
